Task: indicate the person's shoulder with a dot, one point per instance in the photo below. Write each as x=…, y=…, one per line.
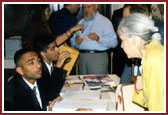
x=81, y=20
x=14, y=82
x=118, y=12
x=57, y=14
x=62, y=15
x=14, y=78
x=155, y=52
x=44, y=66
x=104, y=19
x=99, y=15
x=61, y=12
x=155, y=46
x=54, y=14
x=157, y=22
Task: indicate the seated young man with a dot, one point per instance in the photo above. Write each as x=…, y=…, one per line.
x=24, y=92
x=53, y=76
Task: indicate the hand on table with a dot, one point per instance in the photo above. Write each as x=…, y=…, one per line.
x=58, y=99
x=83, y=109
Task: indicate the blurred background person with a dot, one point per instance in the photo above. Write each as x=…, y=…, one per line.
x=39, y=25
x=119, y=56
x=64, y=19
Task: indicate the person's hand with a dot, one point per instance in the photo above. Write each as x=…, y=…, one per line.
x=93, y=36
x=133, y=79
x=138, y=84
x=66, y=84
x=58, y=99
x=62, y=57
x=83, y=109
x=79, y=40
x=77, y=27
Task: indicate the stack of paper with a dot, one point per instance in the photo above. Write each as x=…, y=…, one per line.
x=83, y=94
x=71, y=88
x=68, y=105
x=86, y=99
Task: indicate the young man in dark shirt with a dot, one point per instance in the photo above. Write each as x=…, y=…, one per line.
x=53, y=76
x=24, y=92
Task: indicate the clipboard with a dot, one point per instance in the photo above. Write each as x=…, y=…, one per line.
x=124, y=101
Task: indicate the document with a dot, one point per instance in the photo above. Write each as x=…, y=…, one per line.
x=82, y=94
x=79, y=33
x=71, y=88
x=97, y=81
x=68, y=105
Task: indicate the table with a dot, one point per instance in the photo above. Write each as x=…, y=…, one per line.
x=105, y=93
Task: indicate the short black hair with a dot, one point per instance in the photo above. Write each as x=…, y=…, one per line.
x=125, y=5
x=42, y=42
x=140, y=8
x=65, y=5
x=20, y=53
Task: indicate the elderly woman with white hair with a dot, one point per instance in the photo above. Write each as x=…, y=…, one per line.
x=141, y=39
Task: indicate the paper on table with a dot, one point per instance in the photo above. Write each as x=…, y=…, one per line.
x=82, y=94
x=97, y=81
x=72, y=88
x=71, y=105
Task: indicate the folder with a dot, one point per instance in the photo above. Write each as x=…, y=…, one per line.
x=73, y=55
x=124, y=101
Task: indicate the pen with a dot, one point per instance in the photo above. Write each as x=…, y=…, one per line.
x=79, y=78
x=83, y=86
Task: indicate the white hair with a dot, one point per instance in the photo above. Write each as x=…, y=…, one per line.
x=140, y=25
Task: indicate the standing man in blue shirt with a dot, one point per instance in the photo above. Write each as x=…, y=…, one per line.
x=62, y=20
x=97, y=37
